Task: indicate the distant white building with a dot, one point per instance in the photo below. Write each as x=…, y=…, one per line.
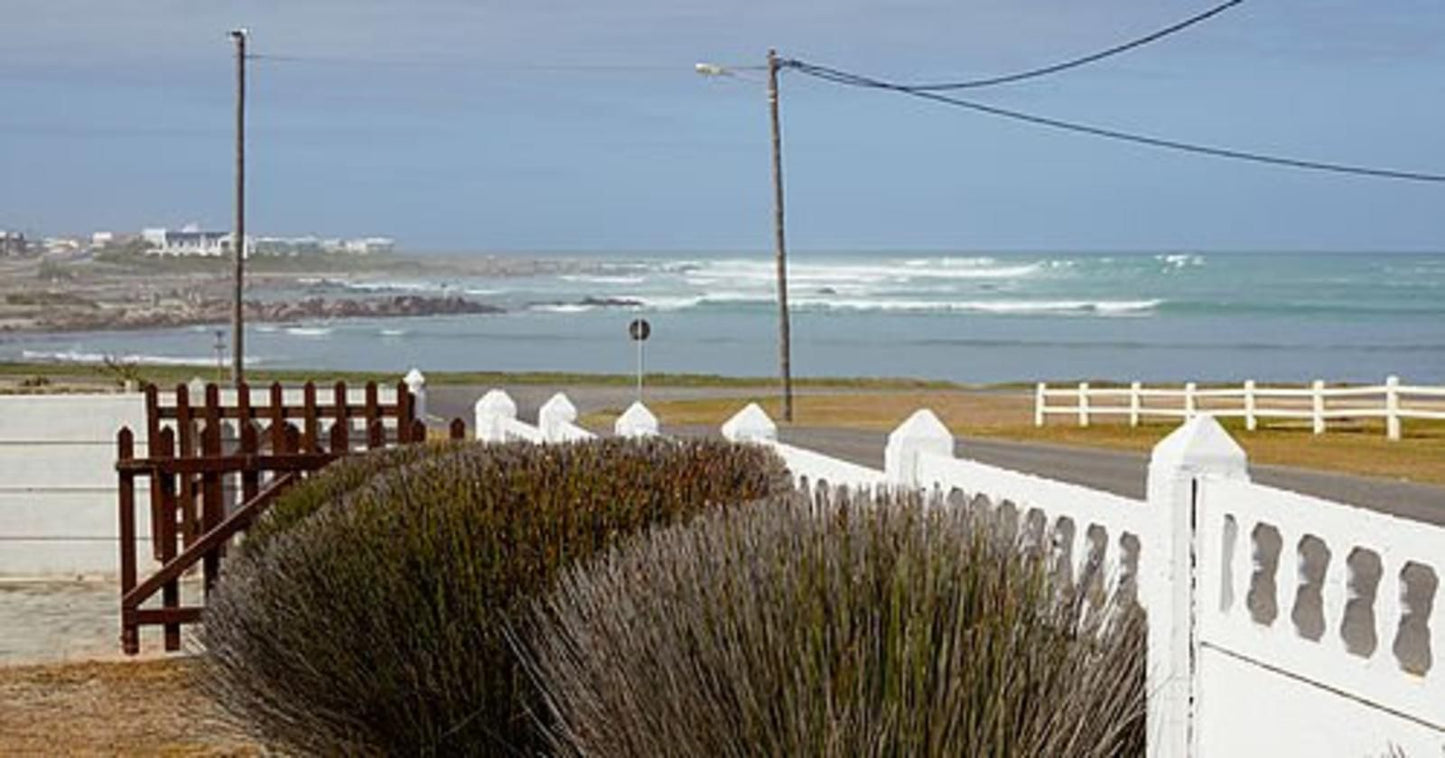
x=101, y=239
x=12, y=243
x=189, y=241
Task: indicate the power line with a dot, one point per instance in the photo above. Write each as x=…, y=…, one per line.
x=459, y=64
x=1081, y=61
x=856, y=80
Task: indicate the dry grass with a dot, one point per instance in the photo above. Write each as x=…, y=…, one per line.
x=110, y=708
x=1349, y=447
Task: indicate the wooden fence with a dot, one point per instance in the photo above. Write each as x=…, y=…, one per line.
x=213, y=468
x=1319, y=404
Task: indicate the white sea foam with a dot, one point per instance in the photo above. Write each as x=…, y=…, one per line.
x=1180, y=260
x=309, y=331
x=1003, y=307
x=603, y=279
x=76, y=356
x=762, y=273
x=562, y=308
x=394, y=332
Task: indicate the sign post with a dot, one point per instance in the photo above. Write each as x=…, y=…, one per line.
x=639, y=330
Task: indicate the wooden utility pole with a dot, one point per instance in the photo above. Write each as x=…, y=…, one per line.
x=238, y=238
x=784, y=338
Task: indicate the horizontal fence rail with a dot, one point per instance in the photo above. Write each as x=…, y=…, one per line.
x=1318, y=403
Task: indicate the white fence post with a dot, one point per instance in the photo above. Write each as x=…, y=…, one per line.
x=922, y=432
x=1199, y=446
x=1040, y=396
x=1392, y=407
x=416, y=382
x=1083, y=403
x=1251, y=421
x=1317, y=405
x=636, y=421
x=489, y=412
x=554, y=414
x=1191, y=405
x=750, y=424
x=1135, y=402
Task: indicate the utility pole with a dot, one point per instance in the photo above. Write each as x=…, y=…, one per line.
x=784, y=332
x=238, y=239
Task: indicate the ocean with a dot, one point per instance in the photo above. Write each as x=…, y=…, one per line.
x=1165, y=317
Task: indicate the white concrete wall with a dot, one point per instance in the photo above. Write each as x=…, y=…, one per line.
x=58, y=486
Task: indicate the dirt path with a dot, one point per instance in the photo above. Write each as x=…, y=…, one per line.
x=110, y=708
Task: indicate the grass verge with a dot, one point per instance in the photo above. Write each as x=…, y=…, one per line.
x=1349, y=447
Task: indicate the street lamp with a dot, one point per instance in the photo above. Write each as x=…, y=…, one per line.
x=779, y=239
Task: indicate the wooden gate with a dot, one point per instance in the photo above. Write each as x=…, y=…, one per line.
x=215, y=466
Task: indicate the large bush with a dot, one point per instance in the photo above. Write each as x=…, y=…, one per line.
x=338, y=481
x=379, y=622
x=889, y=628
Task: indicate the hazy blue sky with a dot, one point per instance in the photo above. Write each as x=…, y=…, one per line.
x=578, y=124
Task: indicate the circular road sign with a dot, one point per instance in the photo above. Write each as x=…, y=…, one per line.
x=639, y=329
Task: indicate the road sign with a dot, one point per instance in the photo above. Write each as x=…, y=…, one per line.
x=639, y=329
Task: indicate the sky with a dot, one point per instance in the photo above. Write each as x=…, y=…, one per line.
x=570, y=125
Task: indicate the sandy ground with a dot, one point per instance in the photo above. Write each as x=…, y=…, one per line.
x=110, y=708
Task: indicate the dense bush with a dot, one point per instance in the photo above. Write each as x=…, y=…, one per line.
x=892, y=628
x=338, y=481
x=378, y=623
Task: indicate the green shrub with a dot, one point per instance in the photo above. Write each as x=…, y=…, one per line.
x=892, y=628
x=339, y=480
x=379, y=622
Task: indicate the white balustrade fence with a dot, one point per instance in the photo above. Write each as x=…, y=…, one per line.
x=1319, y=404
x=1279, y=624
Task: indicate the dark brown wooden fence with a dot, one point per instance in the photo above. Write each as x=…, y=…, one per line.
x=201, y=452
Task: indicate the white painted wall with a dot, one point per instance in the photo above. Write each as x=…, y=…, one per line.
x=58, y=487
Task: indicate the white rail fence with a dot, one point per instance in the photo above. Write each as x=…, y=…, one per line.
x=1279, y=624
x=1319, y=404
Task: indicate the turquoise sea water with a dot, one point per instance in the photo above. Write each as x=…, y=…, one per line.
x=1171, y=316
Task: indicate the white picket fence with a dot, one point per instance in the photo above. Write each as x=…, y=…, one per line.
x=1279, y=624
x=1318, y=403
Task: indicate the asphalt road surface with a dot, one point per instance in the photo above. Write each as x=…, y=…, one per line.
x=1118, y=472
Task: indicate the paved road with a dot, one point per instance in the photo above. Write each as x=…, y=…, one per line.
x=1119, y=472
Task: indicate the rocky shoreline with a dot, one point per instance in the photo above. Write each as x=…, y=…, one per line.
x=215, y=311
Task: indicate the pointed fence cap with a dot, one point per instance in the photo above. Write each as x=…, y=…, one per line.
x=557, y=408
x=636, y=421
x=496, y=403
x=923, y=432
x=414, y=378
x=1199, y=445
x=750, y=424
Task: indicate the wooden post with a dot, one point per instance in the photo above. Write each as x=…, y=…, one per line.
x=186, y=448
x=1392, y=407
x=278, y=418
x=238, y=242
x=1083, y=403
x=1317, y=405
x=163, y=488
x=341, y=428
x=1135, y=402
x=309, y=435
x=213, y=508
x=129, y=629
x=784, y=332
x=1251, y=420
x=458, y=429
x=373, y=419
x=251, y=474
x=403, y=414
x=1040, y=400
